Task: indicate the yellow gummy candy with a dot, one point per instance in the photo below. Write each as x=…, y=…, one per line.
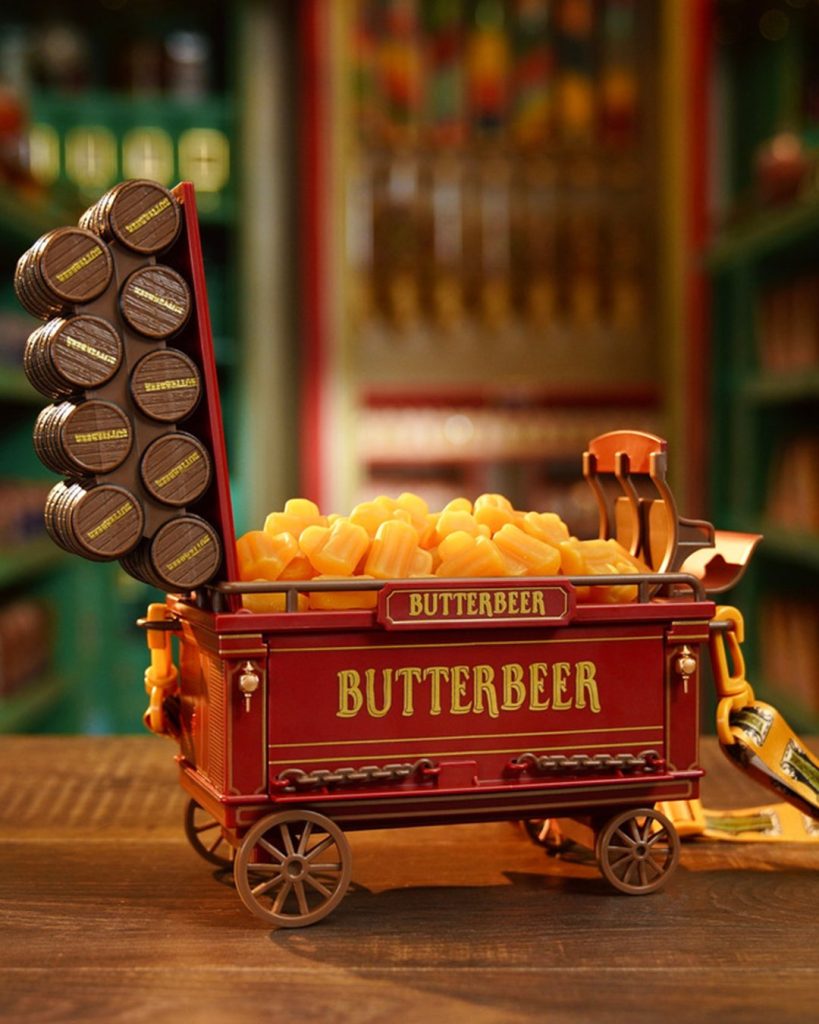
x=459, y=521
x=298, y=513
x=335, y=550
x=524, y=555
x=472, y=556
x=371, y=514
x=495, y=511
x=262, y=555
x=392, y=551
x=342, y=600
x=546, y=526
x=271, y=602
x=598, y=557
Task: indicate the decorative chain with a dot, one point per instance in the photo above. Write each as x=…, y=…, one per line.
x=648, y=760
x=295, y=778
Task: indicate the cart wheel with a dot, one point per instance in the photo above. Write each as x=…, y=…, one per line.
x=205, y=835
x=638, y=851
x=293, y=868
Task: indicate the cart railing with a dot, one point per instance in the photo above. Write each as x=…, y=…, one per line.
x=647, y=584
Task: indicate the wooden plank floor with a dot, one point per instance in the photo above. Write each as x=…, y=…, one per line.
x=107, y=915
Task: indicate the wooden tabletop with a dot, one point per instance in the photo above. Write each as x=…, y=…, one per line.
x=108, y=915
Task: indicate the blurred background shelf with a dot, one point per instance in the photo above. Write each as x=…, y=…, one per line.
x=446, y=243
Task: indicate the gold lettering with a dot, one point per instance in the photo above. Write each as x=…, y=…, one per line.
x=386, y=692
x=560, y=672
x=95, y=353
x=514, y=691
x=101, y=435
x=513, y=602
x=350, y=699
x=472, y=603
x=123, y=510
x=156, y=209
x=525, y=602
x=408, y=676
x=585, y=682
x=538, y=605
x=485, y=604
x=484, y=686
x=78, y=265
x=537, y=677
x=500, y=602
x=158, y=300
x=172, y=474
x=170, y=385
x=437, y=674
x=203, y=541
x=457, y=678
x=416, y=605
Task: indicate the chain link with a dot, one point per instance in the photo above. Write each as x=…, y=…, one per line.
x=648, y=760
x=296, y=778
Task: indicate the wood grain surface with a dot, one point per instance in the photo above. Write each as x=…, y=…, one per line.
x=108, y=915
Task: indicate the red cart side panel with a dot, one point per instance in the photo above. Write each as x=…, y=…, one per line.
x=470, y=704
x=224, y=734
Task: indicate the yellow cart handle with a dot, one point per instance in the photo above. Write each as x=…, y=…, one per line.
x=161, y=676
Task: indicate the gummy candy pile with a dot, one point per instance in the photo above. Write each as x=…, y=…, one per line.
x=397, y=538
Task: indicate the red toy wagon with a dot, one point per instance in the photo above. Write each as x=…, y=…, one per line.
x=451, y=699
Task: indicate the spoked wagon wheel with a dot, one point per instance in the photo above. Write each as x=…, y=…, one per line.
x=638, y=851
x=293, y=868
x=205, y=835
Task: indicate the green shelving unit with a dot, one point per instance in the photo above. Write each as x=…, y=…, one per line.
x=764, y=273
x=764, y=410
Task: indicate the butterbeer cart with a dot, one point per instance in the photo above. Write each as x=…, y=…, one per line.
x=451, y=701
x=446, y=700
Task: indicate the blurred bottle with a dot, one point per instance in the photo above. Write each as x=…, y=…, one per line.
x=187, y=65
x=536, y=248
x=619, y=78
x=140, y=67
x=576, y=105
x=488, y=68
x=626, y=274
x=367, y=114
x=62, y=57
x=583, y=245
x=533, y=74
x=14, y=89
x=445, y=132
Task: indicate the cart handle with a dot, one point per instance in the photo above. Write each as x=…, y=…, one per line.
x=161, y=676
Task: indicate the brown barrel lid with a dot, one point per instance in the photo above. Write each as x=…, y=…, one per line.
x=106, y=522
x=176, y=469
x=75, y=265
x=144, y=216
x=86, y=351
x=96, y=436
x=166, y=385
x=155, y=301
x=186, y=552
